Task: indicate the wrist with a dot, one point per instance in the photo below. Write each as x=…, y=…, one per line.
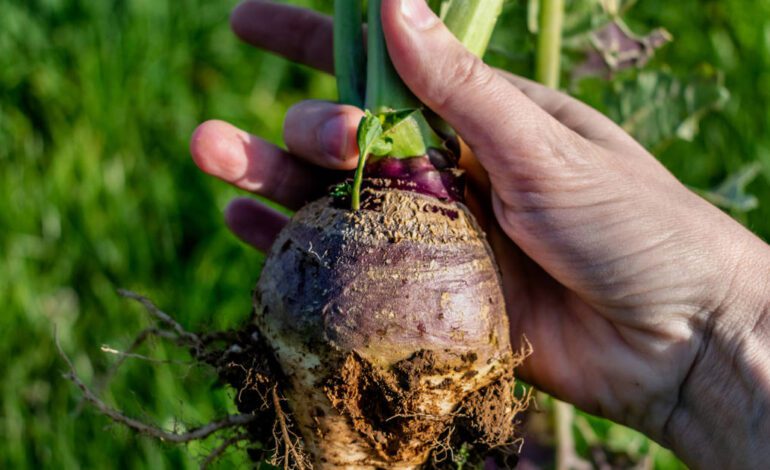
x=722, y=416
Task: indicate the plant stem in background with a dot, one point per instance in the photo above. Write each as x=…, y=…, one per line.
x=547, y=71
x=548, y=58
x=349, y=54
x=473, y=22
x=567, y=457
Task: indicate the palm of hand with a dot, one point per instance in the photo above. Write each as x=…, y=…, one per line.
x=610, y=335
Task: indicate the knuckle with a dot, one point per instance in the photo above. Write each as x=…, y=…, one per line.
x=465, y=75
x=314, y=40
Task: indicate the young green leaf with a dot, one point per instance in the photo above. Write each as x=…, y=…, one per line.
x=399, y=134
x=369, y=132
x=341, y=190
x=409, y=133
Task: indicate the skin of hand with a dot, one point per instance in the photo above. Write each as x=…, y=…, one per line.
x=643, y=303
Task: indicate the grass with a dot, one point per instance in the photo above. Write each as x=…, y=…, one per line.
x=97, y=191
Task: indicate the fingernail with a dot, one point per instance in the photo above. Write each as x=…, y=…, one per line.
x=333, y=137
x=418, y=14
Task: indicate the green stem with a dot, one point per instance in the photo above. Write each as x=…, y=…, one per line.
x=435, y=5
x=403, y=131
x=472, y=22
x=384, y=89
x=349, y=54
x=547, y=71
x=548, y=59
x=355, y=193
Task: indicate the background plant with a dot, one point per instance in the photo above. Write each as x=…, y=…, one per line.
x=97, y=191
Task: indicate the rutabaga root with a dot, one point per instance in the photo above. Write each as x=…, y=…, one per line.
x=390, y=329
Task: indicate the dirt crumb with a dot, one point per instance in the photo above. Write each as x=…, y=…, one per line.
x=389, y=408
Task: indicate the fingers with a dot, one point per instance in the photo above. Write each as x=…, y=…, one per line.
x=250, y=163
x=254, y=222
x=305, y=36
x=299, y=34
x=503, y=127
x=323, y=133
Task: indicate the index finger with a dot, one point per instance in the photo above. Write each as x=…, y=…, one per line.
x=299, y=34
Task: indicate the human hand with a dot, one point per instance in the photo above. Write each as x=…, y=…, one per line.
x=628, y=286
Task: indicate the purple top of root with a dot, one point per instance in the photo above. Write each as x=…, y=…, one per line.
x=432, y=175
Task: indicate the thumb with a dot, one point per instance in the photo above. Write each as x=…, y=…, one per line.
x=495, y=118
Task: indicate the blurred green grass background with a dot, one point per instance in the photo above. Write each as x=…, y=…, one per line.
x=98, y=99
